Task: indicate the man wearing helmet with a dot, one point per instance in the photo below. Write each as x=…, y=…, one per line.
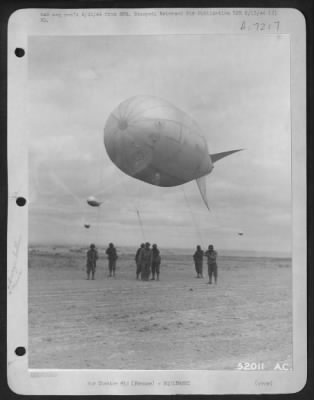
x=198, y=261
x=137, y=260
x=112, y=258
x=92, y=257
x=156, y=260
x=145, y=259
x=211, y=255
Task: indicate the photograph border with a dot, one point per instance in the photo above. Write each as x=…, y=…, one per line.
x=18, y=214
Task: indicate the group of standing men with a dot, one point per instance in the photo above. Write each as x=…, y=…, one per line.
x=92, y=257
x=147, y=261
x=211, y=255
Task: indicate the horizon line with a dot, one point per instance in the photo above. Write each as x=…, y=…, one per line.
x=266, y=252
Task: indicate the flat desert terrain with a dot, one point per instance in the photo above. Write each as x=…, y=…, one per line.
x=179, y=322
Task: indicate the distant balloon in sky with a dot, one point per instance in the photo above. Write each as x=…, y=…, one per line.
x=87, y=226
x=152, y=140
x=93, y=202
x=240, y=233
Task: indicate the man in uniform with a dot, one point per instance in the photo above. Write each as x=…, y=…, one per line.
x=137, y=261
x=211, y=255
x=198, y=261
x=156, y=260
x=145, y=259
x=112, y=258
x=92, y=257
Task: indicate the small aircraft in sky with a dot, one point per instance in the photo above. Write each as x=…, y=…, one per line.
x=93, y=202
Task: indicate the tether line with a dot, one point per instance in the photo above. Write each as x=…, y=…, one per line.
x=140, y=223
x=197, y=230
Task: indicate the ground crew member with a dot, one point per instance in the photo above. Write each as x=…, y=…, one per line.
x=198, y=261
x=92, y=257
x=145, y=259
x=112, y=258
x=211, y=255
x=156, y=260
x=138, y=265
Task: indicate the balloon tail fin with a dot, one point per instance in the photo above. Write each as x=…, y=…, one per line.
x=219, y=156
x=201, y=183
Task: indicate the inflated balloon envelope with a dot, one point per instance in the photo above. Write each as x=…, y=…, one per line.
x=150, y=139
x=93, y=202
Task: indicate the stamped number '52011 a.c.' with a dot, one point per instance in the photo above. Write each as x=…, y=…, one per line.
x=247, y=366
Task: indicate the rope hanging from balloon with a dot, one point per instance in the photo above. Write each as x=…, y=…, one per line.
x=137, y=207
x=140, y=224
x=197, y=230
x=98, y=226
x=99, y=214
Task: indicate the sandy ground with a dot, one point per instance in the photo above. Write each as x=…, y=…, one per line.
x=179, y=322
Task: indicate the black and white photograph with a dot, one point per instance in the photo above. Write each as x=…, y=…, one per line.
x=160, y=228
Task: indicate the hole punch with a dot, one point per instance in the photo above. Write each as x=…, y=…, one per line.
x=21, y=201
x=20, y=351
x=19, y=52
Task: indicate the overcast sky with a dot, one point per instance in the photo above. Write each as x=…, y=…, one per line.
x=237, y=89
